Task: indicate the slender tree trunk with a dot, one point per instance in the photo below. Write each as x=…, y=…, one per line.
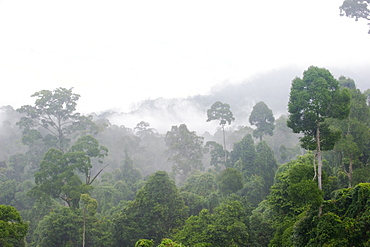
x=223, y=131
x=350, y=171
x=84, y=229
x=319, y=164
x=319, y=159
x=314, y=167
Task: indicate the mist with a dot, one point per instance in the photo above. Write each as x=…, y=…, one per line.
x=271, y=87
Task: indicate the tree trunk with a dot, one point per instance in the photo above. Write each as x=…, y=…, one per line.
x=314, y=167
x=319, y=165
x=223, y=131
x=319, y=159
x=84, y=229
x=350, y=171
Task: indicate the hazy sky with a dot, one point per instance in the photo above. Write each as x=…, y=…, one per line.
x=115, y=53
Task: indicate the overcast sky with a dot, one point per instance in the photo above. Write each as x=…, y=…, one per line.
x=115, y=53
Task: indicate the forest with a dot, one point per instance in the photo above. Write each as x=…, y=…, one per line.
x=302, y=179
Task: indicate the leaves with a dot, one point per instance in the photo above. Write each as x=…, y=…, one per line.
x=157, y=210
x=220, y=111
x=358, y=9
x=262, y=117
x=185, y=150
x=12, y=226
x=55, y=112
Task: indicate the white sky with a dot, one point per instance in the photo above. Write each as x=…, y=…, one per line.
x=115, y=53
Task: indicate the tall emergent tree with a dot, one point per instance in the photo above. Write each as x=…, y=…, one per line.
x=185, y=150
x=262, y=117
x=313, y=99
x=54, y=111
x=221, y=111
x=358, y=9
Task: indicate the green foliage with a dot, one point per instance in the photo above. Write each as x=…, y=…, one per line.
x=64, y=227
x=355, y=133
x=257, y=165
x=156, y=211
x=243, y=155
x=254, y=190
x=346, y=82
x=262, y=117
x=165, y=242
x=57, y=178
x=344, y=221
x=217, y=154
x=194, y=202
x=201, y=184
x=220, y=111
x=12, y=228
x=361, y=175
x=168, y=242
x=127, y=172
x=226, y=227
x=266, y=165
x=260, y=225
x=230, y=181
x=54, y=111
x=295, y=190
x=144, y=243
x=7, y=191
x=185, y=150
x=90, y=146
x=313, y=99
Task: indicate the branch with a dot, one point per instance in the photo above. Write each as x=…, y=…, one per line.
x=88, y=182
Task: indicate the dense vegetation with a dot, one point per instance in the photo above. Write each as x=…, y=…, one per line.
x=71, y=180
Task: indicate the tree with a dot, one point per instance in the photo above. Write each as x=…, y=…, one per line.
x=355, y=130
x=201, y=184
x=217, y=154
x=185, y=149
x=313, y=99
x=358, y=9
x=221, y=111
x=55, y=112
x=70, y=227
x=165, y=242
x=243, y=155
x=227, y=226
x=88, y=207
x=62, y=227
x=344, y=222
x=142, y=129
x=262, y=117
x=293, y=193
x=266, y=165
x=367, y=93
x=156, y=211
x=12, y=227
x=230, y=181
x=58, y=173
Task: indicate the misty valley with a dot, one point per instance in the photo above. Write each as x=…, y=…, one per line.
x=251, y=165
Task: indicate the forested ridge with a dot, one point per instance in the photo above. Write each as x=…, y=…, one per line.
x=298, y=179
